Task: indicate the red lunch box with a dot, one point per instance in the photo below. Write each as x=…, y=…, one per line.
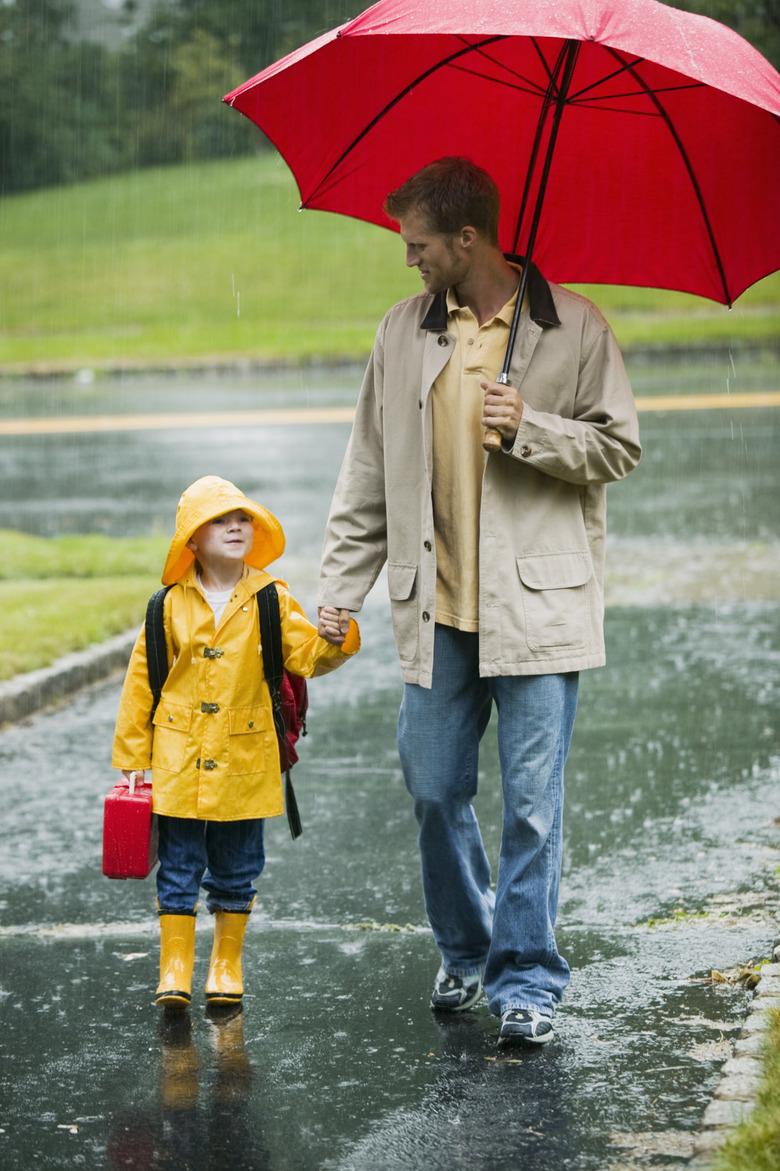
x=129, y=831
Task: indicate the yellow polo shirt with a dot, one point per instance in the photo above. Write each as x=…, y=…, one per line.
x=459, y=459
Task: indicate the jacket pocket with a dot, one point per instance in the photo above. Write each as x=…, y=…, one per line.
x=556, y=599
x=172, y=723
x=250, y=741
x=401, y=586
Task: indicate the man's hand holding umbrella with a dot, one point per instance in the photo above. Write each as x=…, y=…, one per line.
x=503, y=410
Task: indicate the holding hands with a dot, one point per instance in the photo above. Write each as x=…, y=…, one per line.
x=333, y=625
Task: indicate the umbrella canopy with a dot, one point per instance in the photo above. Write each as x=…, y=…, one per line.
x=666, y=168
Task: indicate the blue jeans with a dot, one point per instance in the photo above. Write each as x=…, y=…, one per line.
x=224, y=857
x=509, y=934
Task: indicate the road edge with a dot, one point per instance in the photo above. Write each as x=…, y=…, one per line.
x=26, y=694
x=741, y=1075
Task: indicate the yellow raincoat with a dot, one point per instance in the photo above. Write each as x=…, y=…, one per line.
x=212, y=747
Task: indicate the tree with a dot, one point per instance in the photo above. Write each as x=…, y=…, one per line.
x=71, y=109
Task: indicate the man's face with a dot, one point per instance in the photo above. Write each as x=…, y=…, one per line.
x=441, y=259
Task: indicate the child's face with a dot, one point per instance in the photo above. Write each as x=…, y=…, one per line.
x=224, y=539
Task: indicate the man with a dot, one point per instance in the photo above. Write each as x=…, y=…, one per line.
x=495, y=567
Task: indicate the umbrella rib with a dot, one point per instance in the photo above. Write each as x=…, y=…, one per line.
x=521, y=84
x=691, y=175
x=625, y=66
x=394, y=102
x=596, y=98
x=603, y=80
x=515, y=82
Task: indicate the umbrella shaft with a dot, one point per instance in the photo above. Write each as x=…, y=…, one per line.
x=566, y=62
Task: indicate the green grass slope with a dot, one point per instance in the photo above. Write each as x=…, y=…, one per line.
x=62, y=594
x=193, y=263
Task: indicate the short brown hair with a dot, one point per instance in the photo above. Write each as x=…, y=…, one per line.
x=453, y=193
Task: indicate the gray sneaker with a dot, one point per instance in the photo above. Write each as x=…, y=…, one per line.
x=454, y=993
x=523, y=1027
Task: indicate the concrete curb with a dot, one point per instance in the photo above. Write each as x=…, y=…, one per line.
x=737, y=1090
x=25, y=694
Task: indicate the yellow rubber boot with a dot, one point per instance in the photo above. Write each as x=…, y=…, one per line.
x=224, y=984
x=177, y=956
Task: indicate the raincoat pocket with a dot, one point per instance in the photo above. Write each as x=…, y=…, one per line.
x=250, y=740
x=555, y=599
x=171, y=732
x=401, y=586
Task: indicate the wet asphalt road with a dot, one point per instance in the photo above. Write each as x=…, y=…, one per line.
x=337, y=1062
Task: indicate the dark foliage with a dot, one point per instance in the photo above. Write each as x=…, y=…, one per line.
x=72, y=109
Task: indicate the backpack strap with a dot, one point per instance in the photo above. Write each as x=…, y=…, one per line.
x=156, y=649
x=273, y=668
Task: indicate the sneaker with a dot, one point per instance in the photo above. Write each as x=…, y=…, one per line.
x=454, y=993
x=527, y=1028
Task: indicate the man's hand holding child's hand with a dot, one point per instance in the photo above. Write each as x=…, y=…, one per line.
x=333, y=625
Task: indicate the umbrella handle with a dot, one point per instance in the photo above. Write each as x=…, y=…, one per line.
x=492, y=440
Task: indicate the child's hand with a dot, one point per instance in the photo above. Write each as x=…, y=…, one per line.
x=333, y=625
x=137, y=773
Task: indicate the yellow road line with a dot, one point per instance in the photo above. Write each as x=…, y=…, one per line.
x=165, y=422
x=709, y=402
x=76, y=424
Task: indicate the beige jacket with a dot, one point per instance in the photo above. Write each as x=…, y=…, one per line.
x=543, y=516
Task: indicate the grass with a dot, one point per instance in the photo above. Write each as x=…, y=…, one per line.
x=43, y=620
x=62, y=594
x=755, y=1143
x=87, y=556
x=212, y=260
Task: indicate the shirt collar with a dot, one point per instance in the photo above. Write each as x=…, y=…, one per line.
x=505, y=313
x=540, y=300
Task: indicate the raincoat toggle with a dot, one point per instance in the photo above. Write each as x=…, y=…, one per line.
x=212, y=652
x=210, y=708
x=208, y=765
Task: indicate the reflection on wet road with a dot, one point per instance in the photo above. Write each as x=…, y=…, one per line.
x=671, y=851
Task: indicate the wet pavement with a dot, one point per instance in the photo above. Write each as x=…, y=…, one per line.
x=671, y=847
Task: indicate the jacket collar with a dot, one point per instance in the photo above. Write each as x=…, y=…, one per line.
x=540, y=299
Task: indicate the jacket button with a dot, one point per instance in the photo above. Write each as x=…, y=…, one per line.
x=427, y=546
x=525, y=450
x=251, y=723
x=426, y=616
x=443, y=339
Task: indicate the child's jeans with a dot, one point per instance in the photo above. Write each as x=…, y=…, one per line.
x=225, y=857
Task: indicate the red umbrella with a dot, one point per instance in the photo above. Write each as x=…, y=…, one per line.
x=666, y=167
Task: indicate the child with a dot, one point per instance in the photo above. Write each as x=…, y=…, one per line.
x=211, y=744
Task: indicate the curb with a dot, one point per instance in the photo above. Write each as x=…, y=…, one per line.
x=735, y=1095
x=25, y=694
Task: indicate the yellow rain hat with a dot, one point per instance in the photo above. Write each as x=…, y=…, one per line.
x=206, y=499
